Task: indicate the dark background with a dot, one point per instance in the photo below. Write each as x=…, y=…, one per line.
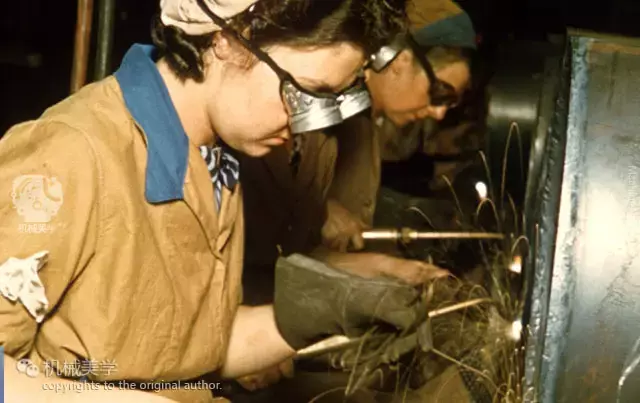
x=46, y=28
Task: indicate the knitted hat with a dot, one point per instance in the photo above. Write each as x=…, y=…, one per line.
x=440, y=23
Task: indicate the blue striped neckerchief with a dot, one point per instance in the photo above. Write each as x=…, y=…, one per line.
x=223, y=167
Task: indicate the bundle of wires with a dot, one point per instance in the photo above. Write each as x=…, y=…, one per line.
x=483, y=342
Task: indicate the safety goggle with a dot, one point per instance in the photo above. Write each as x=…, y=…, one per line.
x=441, y=93
x=308, y=110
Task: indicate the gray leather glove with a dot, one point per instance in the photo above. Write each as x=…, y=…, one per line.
x=314, y=301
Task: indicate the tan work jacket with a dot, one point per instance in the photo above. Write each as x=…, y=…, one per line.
x=364, y=144
x=151, y=288
x=356, y=176
x=284, y=213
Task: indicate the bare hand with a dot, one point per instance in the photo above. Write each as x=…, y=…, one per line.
x=267, y=377
x=342, y=229
x=411, y=271
x=372, y=265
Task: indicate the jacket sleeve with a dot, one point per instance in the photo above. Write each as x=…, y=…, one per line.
x=314, y=180
x=49, y=179
x=356, y=179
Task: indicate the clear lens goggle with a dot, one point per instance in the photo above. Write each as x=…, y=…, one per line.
x=312, y=111
x=308, y=110
x=441, y=93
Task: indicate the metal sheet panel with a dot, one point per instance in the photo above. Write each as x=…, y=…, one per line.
x=541, y=210
x=593, y=319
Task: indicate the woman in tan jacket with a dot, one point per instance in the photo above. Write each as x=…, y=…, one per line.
x=121, y=225
x=320, y=191
x=410, y=82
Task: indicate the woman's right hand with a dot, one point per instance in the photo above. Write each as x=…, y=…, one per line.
x=342, y=229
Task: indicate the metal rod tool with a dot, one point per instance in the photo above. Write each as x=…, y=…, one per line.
x=407, y=235
x=337, y=343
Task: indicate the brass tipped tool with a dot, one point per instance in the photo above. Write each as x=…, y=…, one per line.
x=337, y=343
x=407, y=235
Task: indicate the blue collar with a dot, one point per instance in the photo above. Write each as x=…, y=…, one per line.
x=148, y=101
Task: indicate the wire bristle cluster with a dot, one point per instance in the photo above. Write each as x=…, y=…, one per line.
x=484, y=341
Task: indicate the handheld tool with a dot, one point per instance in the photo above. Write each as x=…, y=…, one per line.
x=407, y=235
x=419, y=338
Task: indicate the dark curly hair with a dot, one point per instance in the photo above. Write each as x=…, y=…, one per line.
x=442, y=56
x=367, y=24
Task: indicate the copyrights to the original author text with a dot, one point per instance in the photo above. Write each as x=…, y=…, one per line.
x=78, y=387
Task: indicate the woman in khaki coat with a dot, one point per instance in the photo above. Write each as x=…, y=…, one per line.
x=404, y=96
x=320, y=190
x=121, y=225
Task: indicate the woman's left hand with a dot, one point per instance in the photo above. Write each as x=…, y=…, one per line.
x=267, y=377
x=372, y=265
x=409, y=271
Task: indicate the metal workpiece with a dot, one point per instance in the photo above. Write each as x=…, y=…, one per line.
x=542, y=203
x=516, y=95
x=583, y=313
x=407, y=235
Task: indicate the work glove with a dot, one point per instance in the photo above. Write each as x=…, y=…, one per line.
x=314, y=301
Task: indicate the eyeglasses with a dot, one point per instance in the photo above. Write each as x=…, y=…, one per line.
x=308, y=110
x=441, y=93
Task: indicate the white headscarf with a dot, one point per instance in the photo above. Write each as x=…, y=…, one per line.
x=187, y=15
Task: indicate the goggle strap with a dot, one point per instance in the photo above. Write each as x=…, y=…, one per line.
x=419, y=52
x=254, y=49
